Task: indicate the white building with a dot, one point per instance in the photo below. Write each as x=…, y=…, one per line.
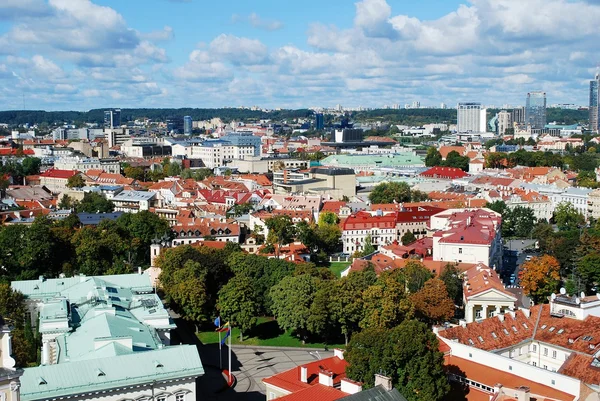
x=216, y=153
x=578, y=197
x=467, y=235
x=133, y=201
x=92, y=163
x=471, y=117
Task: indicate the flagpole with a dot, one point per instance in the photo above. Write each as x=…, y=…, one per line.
x=220, y=353
x=230, y=335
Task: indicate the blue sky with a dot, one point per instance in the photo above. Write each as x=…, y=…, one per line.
x=82, y=54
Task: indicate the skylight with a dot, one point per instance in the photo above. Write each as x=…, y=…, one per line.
x=494, y=335
x=551, y=329
x=560, y=331
x=514, y=329
x=505, y=331
x=544, y=326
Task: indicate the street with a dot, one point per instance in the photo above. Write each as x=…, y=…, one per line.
x=514, y=257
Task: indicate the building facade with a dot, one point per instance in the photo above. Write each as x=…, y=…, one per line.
x=535, y=110
x=471, y=117
x=594, y=120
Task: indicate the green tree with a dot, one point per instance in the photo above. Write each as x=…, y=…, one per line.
x=368, y=247
x=454, y=159
x=567, y=217
x=75, y=181
x=94, y=202
x=408, y=238
x=347, y=305
x=292, y=300
x=433, y=157
x=136, y=173
x=415, y=275
x=451, y=277
x=389, y=192
x=66, y=202
x=408, y=354
x=386, y=303
x=497, y=206
x=237, y=303
x=281, y=230
x=31, y=165
x=588, y=270
x=328, y=218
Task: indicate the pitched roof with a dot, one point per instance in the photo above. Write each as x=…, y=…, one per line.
x=56, y=173
x=318, y=392
x=364, y=220
x=444, y=172
x=290, y=379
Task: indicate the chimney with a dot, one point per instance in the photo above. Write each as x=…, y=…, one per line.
x=522, y=394
x=462, y=323
x=501, y=317
x=350, y=386
x=383, y=381
x=139, y=269
x=303, y=374
x=526, y=312
x=338, y=352
x=326, y=378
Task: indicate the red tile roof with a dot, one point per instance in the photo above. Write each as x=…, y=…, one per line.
x=490, y=377
x=290, y=379
x=365, y=221
x=333, y=206
x=56, y=173
x=318, y=392
x=450, y=173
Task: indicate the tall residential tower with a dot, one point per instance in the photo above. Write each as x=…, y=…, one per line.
x=471, y=117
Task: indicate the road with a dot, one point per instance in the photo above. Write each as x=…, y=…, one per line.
x=514, y=257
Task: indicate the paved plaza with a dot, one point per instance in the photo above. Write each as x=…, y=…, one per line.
x=250, y=365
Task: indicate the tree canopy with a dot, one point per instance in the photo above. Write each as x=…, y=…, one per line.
x=389, y=192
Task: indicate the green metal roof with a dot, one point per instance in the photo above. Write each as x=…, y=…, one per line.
x=78, y=287
x=100, y=326
x=44, y=382
x=384, y=160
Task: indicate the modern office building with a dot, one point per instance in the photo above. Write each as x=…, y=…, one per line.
x=187, y=125
x=518, y=115
x=535, y=110
x=175, y=125
x=319, y=121
x=112, y=118
x=594, y=120
x=471, y=117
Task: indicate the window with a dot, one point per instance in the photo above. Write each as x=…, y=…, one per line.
x=161, y=398
x=545, y=351
x=180, y=397
x=494, y=335
x=510, y=367
x=554, y=354
x=478, y=314
x=272, y=395
x=534, y=363
x=459, y=250
x=553, y=382
x=546, y=367
x=534, y=348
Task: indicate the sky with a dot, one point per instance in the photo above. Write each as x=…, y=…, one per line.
x=85, y=54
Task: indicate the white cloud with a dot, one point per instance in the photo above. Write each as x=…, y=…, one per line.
x=238, y=50
x=258, y=22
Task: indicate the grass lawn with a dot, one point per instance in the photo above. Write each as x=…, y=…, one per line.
x=266, y=333
x=338, y=267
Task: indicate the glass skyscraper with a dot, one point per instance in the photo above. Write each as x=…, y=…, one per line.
x=535, y=110
x=187, y=125
x=594, y=120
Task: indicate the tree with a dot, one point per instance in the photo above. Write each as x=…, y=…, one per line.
x=66, y=202
x=415, y=275
x=454, y=159
x=408, y=238
x=588, y=270
x=385, y=302
x=451, y=277
x=94, y=202
x=540, y=277
x=567, y=217
x=281, y=230
x=432, y=302
x=517, y=222
x=347, y=305
x=389, y=192
x=328, y=218
x=495, y=160
x=408, y=354
x=136, y=173
x=497, y=206
x=75, y=181
x=31, y=165
x=433, y=157
x=368, y=247
x=237, y=303
x=292, y=299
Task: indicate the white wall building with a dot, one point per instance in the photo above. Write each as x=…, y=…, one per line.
x=471, y=117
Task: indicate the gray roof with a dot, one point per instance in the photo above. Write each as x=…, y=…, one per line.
x=376, y=394
x=134, y=196
x=95, y=218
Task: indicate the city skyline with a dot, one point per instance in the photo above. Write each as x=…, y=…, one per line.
x=182, y=53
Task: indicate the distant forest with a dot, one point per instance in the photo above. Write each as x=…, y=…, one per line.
x=97, y=115
x=402, y=116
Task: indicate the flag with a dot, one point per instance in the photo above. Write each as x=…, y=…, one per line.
x=225, y=327
x=227, y=334
x=218, y=321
